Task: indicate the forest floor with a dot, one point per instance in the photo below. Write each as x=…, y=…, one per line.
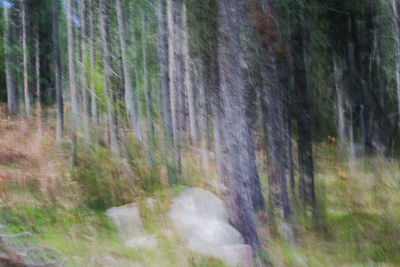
x=63, y=208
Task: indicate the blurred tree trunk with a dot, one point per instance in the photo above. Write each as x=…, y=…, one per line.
x=162, y=50
x=93, y=96
x=37, y=72
x=130, y=98
x=111, y=112
x=11, y=90
x=396, y=35
x=235, y=135
x=57, y=71
x=272, y=105
x=305, y=154
x=359, y=82
x=25, y=59
x=147, y=89
x=189, y=88
x=72, y=82
x=82, y=53
x=176, y=72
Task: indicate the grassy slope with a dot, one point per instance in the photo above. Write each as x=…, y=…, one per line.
x=64, y=209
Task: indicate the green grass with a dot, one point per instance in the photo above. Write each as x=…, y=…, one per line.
x=359, y=204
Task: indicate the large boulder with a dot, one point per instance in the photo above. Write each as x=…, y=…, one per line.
x=201, y=222
x=130, y=227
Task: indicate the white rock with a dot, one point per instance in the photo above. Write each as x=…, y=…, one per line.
x=200, y=220
x=130, y=227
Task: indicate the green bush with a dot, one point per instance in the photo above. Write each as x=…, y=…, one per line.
x=102, y=182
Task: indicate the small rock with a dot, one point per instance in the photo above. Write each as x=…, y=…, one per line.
x=130, y=226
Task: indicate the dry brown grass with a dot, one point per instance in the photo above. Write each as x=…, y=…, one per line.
x=26, y=153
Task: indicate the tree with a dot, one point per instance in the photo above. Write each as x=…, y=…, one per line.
x=130, y=98
x=235, y=142
x=111, y=112
x=305, y=153
x=57, y=71
x=25, y=59
x=11, y=90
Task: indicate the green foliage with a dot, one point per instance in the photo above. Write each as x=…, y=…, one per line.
x=102, y=183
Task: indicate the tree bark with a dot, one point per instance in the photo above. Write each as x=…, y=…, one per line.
x=176, y=72
x=25, y=59
x=395, y=18
x=162, y=50
x=93, y=96
x=359, y=83
x=235, y=142
x=71, y=68
x=11, y=90
x=189, y=88
x=305, y=154
x=147, y=89
x=111, y=114
x=57, y=71
x=37, y=72
x=82, y=54
x=130, y=98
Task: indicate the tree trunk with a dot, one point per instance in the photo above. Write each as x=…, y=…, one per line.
x=339, y=102
x=130, y=98
x=37, y=72
x=305, y=157
x=149, y=108
x=11, y=90
x=57, y=71
x=359, y=83
x=235, y=142
x=93, y=96
x=71, y=68
x=111, y=113
x=188, y=65
x=162, y=50
x=396, y=36
x=25, y=59
x=174, y=8
x=82, y=54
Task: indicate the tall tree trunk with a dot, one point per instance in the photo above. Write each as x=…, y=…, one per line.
x=37, y=72
x=174, y=8
x=203, y=118
x=396, y=31
x=188, y=65
x=339, y=102
x=57, y=71
x=235, y=142
x=272, y=107
x=72, y=83
x=93, y=96
x=130, y=98
x=147, y=89
x=305, y=157
x=71, y=68
x=111, y=114
x=11, y=90
x=82, y=67
x=162, y=50
x=25, y=59
x=359, y=83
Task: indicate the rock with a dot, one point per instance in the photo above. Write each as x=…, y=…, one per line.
x=130, y=227
x=110, y=261
x=287, y=233
x=201, y=222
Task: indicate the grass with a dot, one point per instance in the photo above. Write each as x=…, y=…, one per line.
x=63, y=208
